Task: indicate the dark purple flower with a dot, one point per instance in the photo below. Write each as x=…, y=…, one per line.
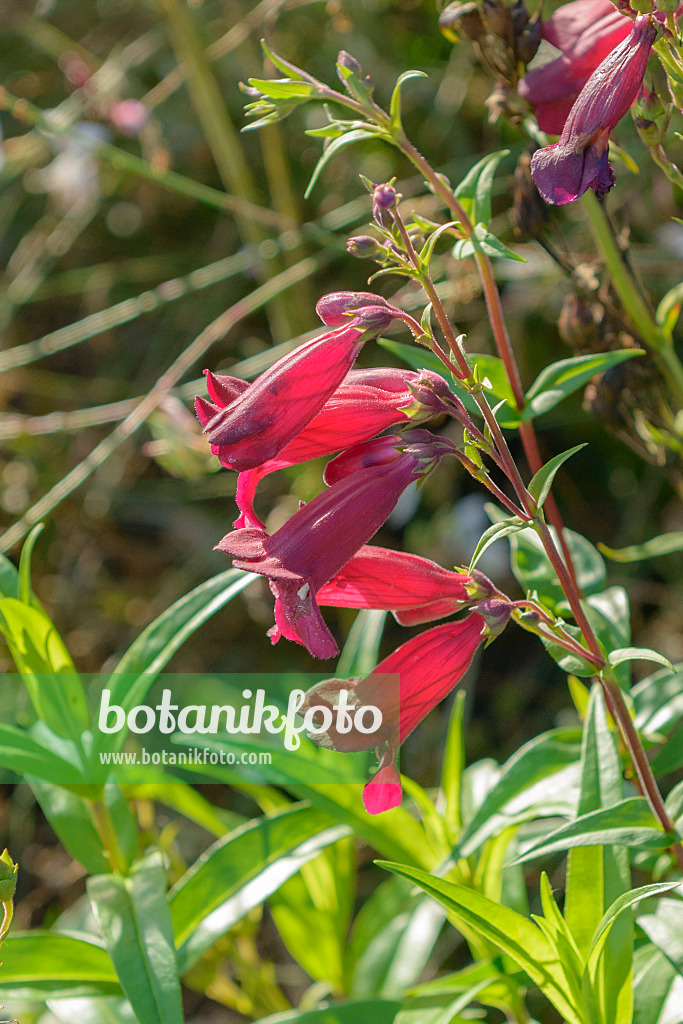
x=579, y=161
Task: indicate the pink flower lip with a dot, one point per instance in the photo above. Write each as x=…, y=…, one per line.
x=383, y=791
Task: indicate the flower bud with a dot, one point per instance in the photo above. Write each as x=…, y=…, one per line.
x=461, y=20
x=384, y=199
x=350, y=63
x=8, y=877
x=495, y=613
x=497, y=18
x=364, y=247
x=334, y=309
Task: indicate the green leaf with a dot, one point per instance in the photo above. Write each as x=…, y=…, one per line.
x=638, y=654
x=658, y=702
x=481, y=240
x=533, y=571
x=596, y=876
x=454, y=764
x=41, y=965
x=669, y=310
x=368, y=1011
x=515, y=935
x=610, y=616
x=539, y=780
x=620, y=905
x=541, y=482
x=240, y=871
x=330, y=150
x=665, y=544
x=48, y=672
x=25, y=592
x=90, y=1010
x=559, y=380
x=496, y=532
x=282, y=88
x=474, y=191
x=395, y=104
x=657, y=988
x=72, y=823
x=360, y=653
x=664, y=929
x=628, y=823
x=133, y=916
x=9, y=578
x=151, y=651
x=23, y=755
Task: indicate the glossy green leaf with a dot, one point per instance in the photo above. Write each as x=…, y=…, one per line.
x=541, y=482
x=151, y=651
x=9, y=578
x=40, y=965
x=25, y=593
x=596, y=875
x=496, y=532
x=474, y=191
x=360, y=653
x=282, y=88
x=240, y=871
x=481, y=240
x=454, y=764
x=334, y=147
x=669, y=309
x=502, y=990
x=534, y=572
x=657, y=989
x=46, y=667
x=539, y=779
x=638, y=654
x=23, y=755
x=368, y=1011
x=624, y=903
x=628, y=823
x=610, y=616
x=664, y=928
x=559, y=380
x=665, y=544
x=72, y=823
x=134, y=918
x=395, y=104
x=520, y=938
x=658, y=702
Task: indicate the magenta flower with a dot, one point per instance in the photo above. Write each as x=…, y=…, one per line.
x=586, y=31
x=579, y=161
x=415, y=589
x=405, y=687
x=324, y=534
x=364, y=404
x=261, y=418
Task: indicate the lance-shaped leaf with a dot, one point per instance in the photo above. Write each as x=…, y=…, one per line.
x=561, y=379
x=474, y=191
x=134, y=918
x=541, y=482
x=41, y=964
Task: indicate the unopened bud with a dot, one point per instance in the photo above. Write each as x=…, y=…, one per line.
x=334, y=309
x=459, y=20
x=384, y=199
x=364, y=247
x=345, y=60
x=519, y=16
x=496, y=613
x=8, y=877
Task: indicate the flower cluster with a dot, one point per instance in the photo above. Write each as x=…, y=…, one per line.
x=313, y=403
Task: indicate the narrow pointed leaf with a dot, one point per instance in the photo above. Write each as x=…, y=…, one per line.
x=541, y=482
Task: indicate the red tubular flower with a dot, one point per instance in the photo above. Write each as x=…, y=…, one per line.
x=415, y=589
x=405, y=687
x=324, y=534
x=261, y=418
x=586, y=31
x=579, y=161
x=365, y=403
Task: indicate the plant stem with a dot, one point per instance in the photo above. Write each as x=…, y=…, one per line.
x=620, y=713
x=107, y=833
x=631, y=298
